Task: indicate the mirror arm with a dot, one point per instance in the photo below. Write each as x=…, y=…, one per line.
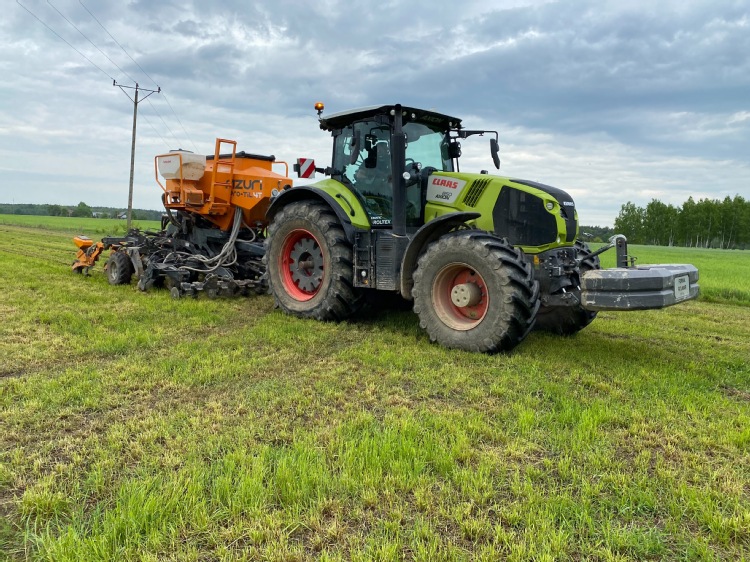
x=462, y=134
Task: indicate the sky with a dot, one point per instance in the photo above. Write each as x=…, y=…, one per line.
x=611, y=101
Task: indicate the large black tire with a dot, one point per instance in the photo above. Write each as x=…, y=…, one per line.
x=310, y=264
x=119, y=268
x=500, y=295
x=569, y=320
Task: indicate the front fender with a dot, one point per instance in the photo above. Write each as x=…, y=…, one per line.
x=424, y=236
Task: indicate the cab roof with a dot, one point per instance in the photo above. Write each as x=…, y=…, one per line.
x=343, y=118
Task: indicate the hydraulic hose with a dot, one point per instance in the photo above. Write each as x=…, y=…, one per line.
x=228, y=254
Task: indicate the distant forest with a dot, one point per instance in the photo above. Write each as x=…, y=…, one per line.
x=709, y=223
x=80, y=210
x=588, y=233
x=595, y=233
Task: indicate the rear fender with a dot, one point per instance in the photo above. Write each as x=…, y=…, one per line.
x=310, y=193
x=424, y=236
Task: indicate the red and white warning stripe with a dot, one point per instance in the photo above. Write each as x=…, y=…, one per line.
x=306, y=167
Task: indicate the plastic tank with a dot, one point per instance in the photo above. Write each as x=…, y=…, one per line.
x=193, y=165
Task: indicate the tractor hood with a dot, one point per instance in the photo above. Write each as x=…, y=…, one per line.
x=567, y=206
x=529, y=214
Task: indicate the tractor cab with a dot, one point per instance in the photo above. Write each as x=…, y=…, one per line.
x=385, y=154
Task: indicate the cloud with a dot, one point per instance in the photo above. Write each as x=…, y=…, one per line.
x=613, y=101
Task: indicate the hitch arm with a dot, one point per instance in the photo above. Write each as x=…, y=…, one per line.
x=621, y=243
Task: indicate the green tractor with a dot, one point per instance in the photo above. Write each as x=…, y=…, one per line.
x=483, y=258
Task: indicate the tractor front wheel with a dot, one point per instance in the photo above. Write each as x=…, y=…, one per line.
x=310, y=264
x=474, y=291
x=119, y=268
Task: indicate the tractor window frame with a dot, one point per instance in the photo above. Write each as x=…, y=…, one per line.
x=368, y=174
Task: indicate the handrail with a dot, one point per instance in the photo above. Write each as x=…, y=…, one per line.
x=285, y=165
x=156, y=169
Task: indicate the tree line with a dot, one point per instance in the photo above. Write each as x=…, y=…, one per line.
x=80, y=210
x=708, y=223
x=595, y=233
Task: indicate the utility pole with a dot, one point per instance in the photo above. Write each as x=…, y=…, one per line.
x=135, y=101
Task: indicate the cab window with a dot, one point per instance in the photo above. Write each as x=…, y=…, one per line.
x=427, y=146
x=362, y=152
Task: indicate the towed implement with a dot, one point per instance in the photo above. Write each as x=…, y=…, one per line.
x=483, y=258
x=212, y=236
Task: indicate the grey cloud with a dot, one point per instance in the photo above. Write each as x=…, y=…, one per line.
x=666, y=79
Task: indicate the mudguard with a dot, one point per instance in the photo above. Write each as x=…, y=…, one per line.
x=428, y=233
x=309, y=192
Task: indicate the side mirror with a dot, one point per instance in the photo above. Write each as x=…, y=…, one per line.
x=356, y=147
x=371, y=160
x=454, y=150
x=495, y=149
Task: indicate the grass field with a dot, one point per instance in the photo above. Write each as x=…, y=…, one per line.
x=77, y=225
x=136, y=427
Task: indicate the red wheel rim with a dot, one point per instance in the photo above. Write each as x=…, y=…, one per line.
x=459, y=317
x=302, y=265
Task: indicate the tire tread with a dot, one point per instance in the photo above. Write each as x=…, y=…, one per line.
x=509, y=269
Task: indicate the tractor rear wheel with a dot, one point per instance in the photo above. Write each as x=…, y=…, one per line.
x=310, y=264
x=474, y=291
x=119, y=268
x=569, y=320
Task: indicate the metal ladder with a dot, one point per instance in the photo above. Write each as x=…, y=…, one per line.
x=220, y=207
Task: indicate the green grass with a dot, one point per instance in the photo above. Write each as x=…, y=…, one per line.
x=77, y=225
x=136, y=427
x=724, y=274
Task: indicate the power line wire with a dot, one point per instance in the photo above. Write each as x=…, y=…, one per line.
x=92, y=63
x=114, y=83
x=118, y=43
x=165, y=123
x=116, y=65
x=154, y=128
x=90, y=41
x=180, y=122
x=142, y=70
